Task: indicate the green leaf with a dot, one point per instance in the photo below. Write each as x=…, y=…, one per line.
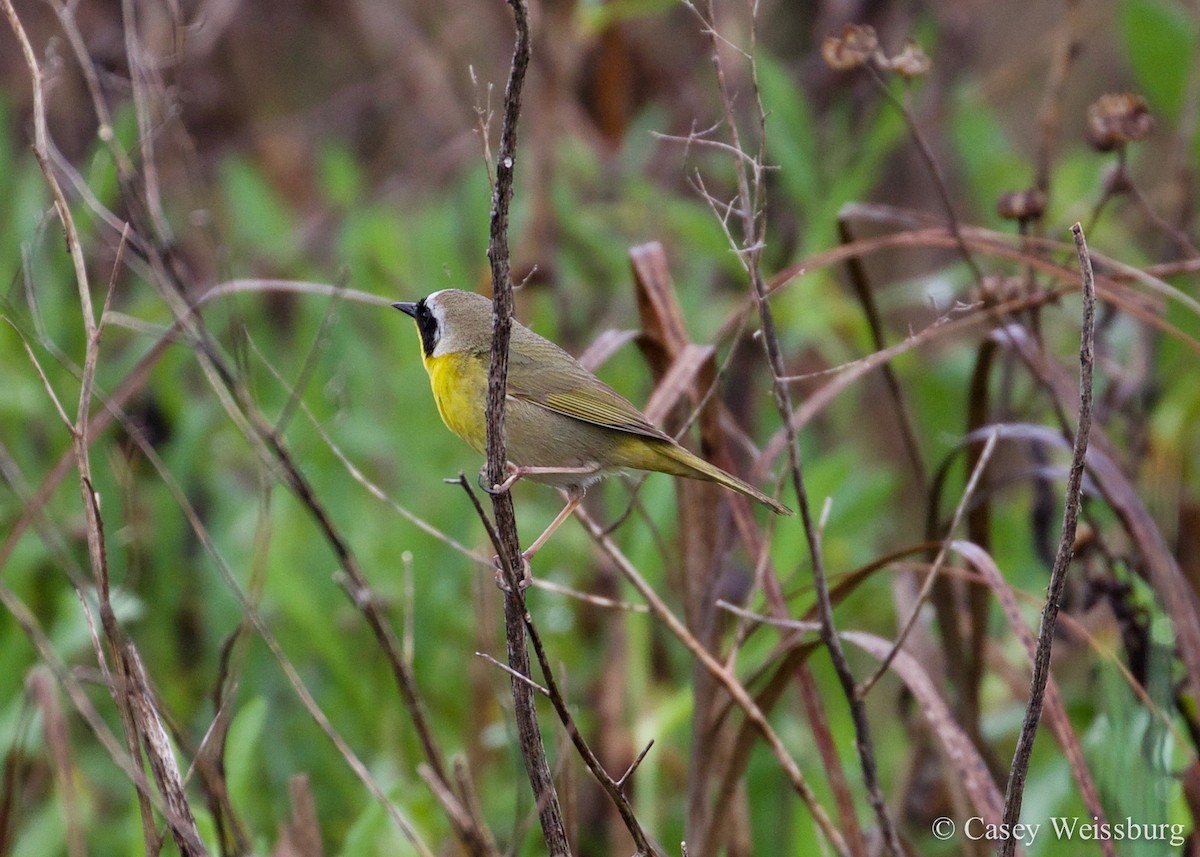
x=242, y=759
x=258, y=216
x=1160, y=41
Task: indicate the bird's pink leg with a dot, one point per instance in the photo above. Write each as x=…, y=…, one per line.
x=518, y=471
x=574, y=497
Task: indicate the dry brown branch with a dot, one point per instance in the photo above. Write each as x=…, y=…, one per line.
x=508, y=544
x=160, y=756
x=613, y=788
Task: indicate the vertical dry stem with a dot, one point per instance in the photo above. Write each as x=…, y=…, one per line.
x=1062, y=559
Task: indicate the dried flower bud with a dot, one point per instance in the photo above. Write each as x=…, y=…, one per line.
x=910, y=62
x=996, y=288
x=1021, y=204
x=854, y=48
x=1116, y=119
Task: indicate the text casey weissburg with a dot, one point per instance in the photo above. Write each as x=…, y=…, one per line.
x=1066, y=827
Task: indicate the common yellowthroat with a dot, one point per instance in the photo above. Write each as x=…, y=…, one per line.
x=565, y=427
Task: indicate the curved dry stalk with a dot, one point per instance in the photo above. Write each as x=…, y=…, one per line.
x=960, y=751
x=865, y=686
x=714, y=667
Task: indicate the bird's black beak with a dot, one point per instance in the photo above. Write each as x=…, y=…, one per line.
x=406, y=308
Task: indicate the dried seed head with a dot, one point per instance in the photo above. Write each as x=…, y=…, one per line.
x=910, y=62
x=855, y=47
x=1116, y=119
x=1021, y=204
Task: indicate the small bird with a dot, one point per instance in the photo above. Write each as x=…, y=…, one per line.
x=565, y=427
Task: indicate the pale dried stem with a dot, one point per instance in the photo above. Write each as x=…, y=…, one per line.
x=865, y=686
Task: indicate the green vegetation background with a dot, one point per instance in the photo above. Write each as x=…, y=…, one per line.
x=344, y=209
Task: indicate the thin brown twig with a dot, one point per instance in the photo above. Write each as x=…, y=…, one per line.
x=589, y=597
x=1049, y=116
x=1062, y=558
x=41, y=151
x=551, y=690
x=633, y=766
x=516, y=676
x=931, y=163
x=737, y=691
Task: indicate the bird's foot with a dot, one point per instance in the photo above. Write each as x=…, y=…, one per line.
x=512, y=474
x=526, y=579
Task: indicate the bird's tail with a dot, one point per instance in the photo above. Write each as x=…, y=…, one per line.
x=694, y=467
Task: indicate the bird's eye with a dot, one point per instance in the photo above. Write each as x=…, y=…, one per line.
x=427, y=324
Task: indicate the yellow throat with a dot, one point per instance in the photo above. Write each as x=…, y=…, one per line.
x=459, y=383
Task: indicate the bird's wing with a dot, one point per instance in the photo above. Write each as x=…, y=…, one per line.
x=569, y=389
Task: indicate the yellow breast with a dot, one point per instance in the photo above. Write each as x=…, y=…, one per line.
x=459, y=384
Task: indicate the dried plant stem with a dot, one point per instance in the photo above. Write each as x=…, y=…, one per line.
x=120, y=688
x=41, y=151
x=829, y=637
x=1062, y=559
x=751, y=195
x=1049, y=117
x=508, y=543
x=935, y=171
